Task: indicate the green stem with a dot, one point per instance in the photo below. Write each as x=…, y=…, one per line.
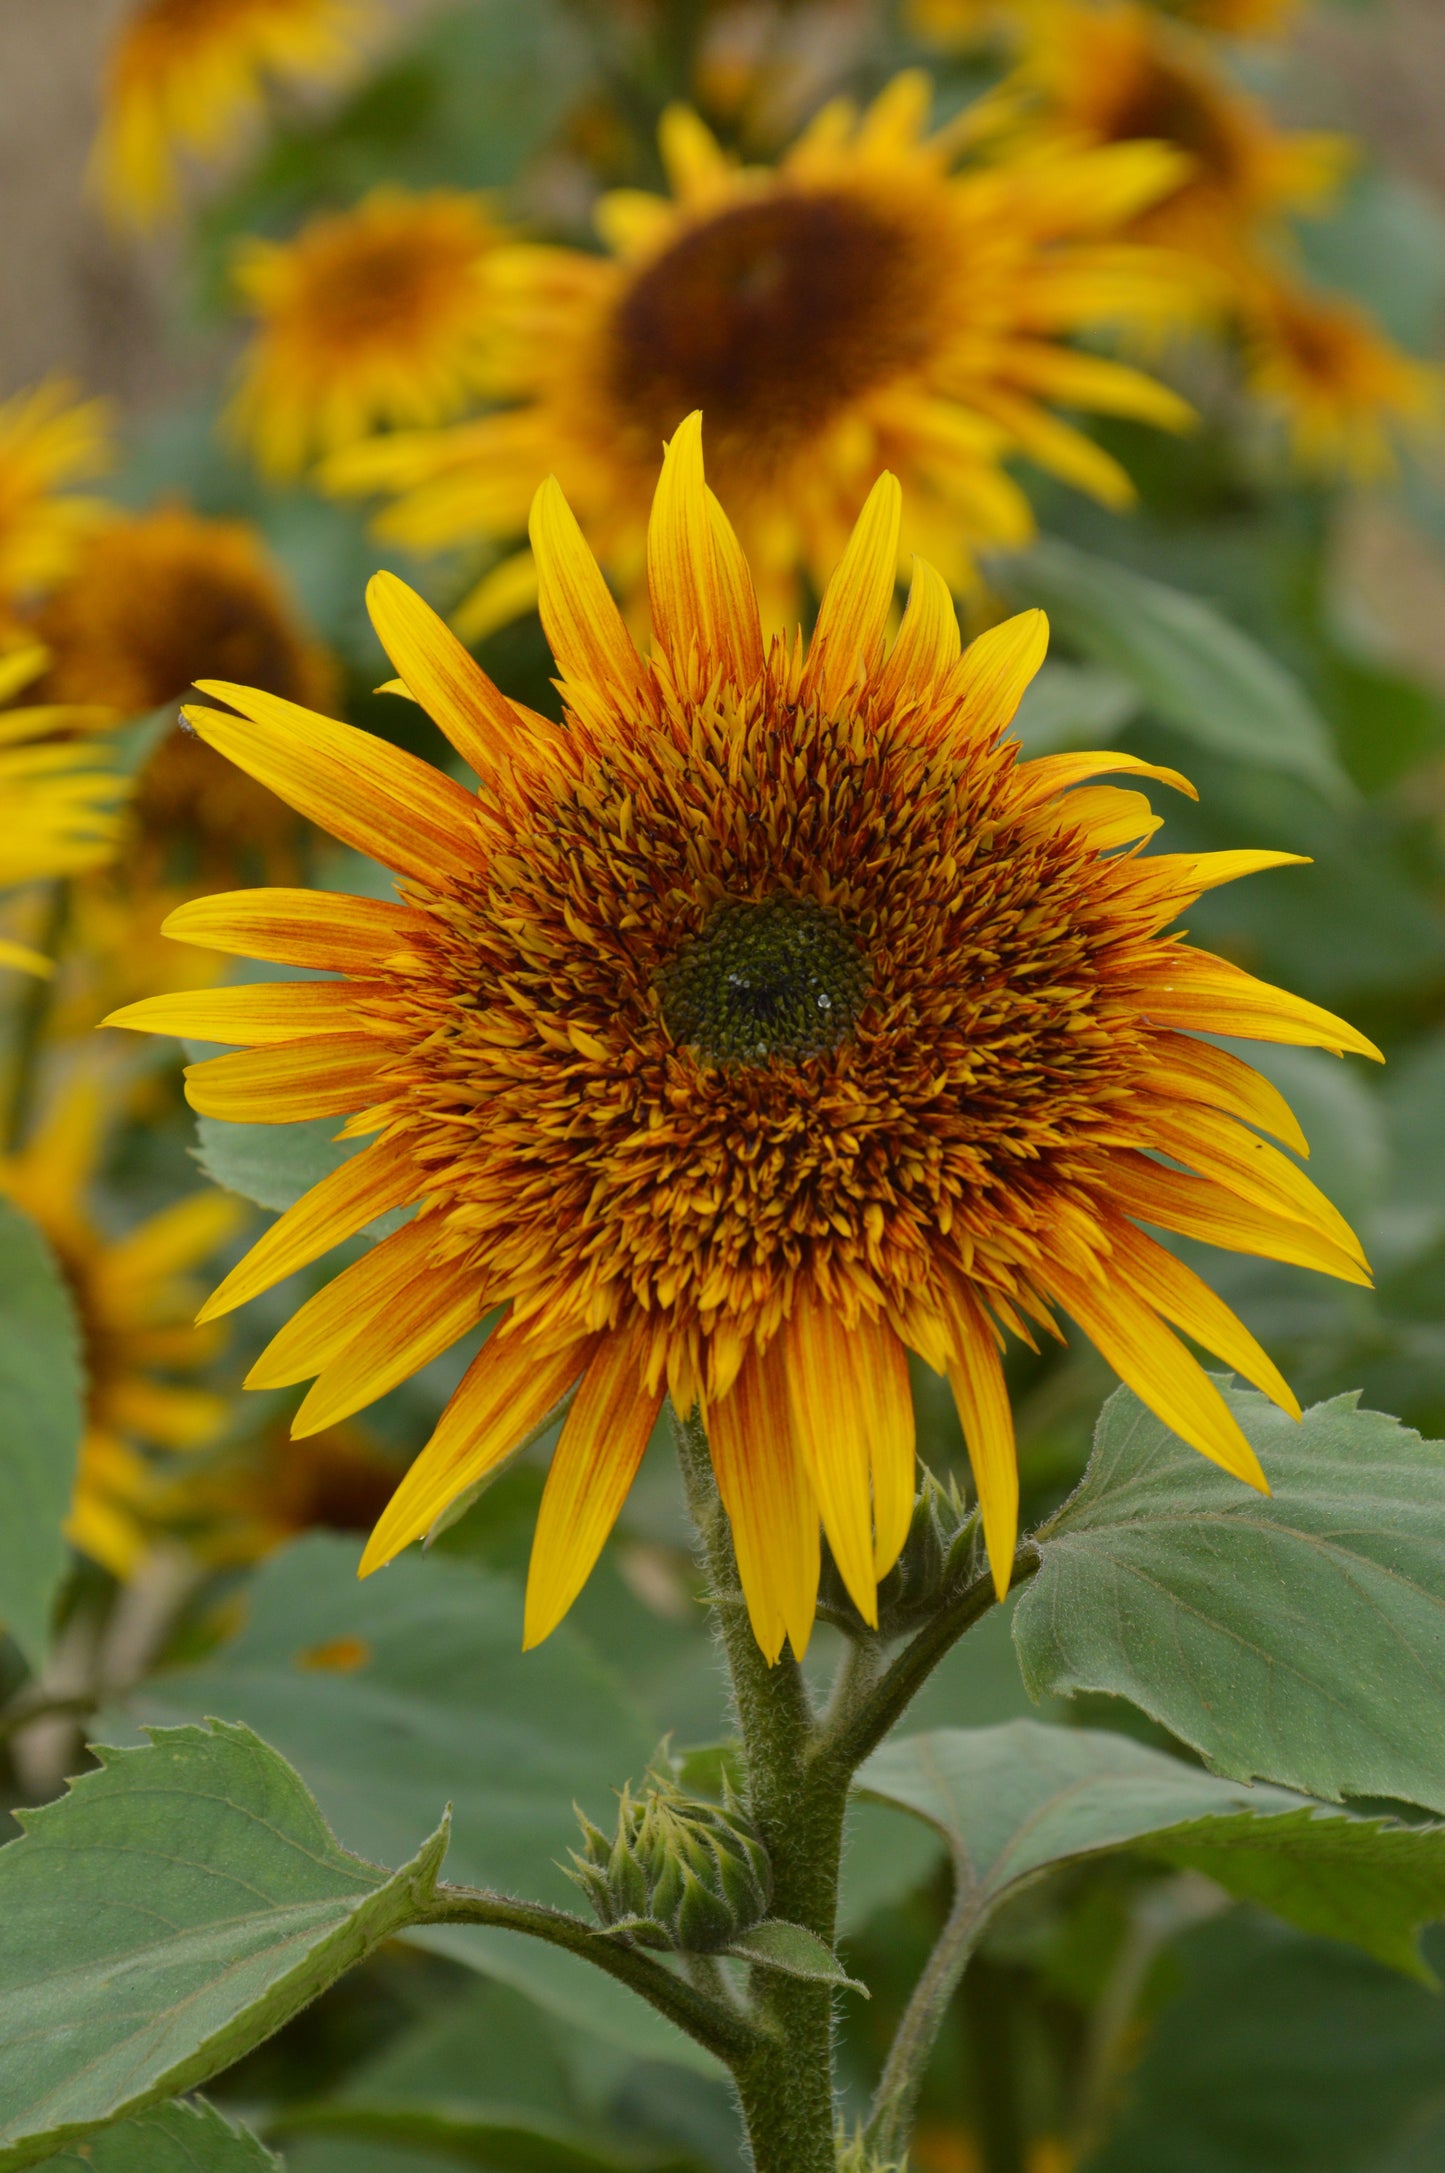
x=786, y=2081
x=896, y=2098
x=32, y=1014
x=723, y=2031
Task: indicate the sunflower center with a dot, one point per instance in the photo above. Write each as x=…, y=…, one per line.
x=781, y=977
x=769, y=318
x=1165, y=105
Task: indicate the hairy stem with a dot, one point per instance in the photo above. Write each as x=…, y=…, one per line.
x=896, y=2097
x=722, y=2030
x=786, y=2082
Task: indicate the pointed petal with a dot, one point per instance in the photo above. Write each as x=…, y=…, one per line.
x=848, y=638
x=697, y=580
x=508, y=1391
x=360, y=788
x=975, y=1375
x=928, y=645
x=1196, y=1071
x=1216, y=1146
x=436, y=1307
x=1174, y=1290
x=1106, y=816
x=1194, y=873
x=440, y=674
x=769, y=1501
x=831, y=1406
x=1196, y=1207
x=740, y=625
x=594, y=1464
x=1153, y=1362
x=319, y=928
x=996, y=670
x=1198, y=991
x=371, y=1183
x=695, y=163
x=1051, y=774
x=583, y=625
x=257, y=1015
x=327, y=1322
x=181, y=1236
x=329, y=1078
x=892, y=1452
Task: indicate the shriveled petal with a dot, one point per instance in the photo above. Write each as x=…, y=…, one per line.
x=769, y=1500
x=594, y=1464
x=326, y=1078
x=511, y=1388
x=448, y=682
x=363, y=790
x=1152, y=1361
x=321, y=928
x=847, y=640
x=368, y=1184
x=832, y=1405
x=975, y=1374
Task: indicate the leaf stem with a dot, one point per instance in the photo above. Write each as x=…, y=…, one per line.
x=896, y=2097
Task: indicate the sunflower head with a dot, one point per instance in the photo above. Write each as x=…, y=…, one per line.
x=60, y=798
x=48, y=441
x=590, y=1042
x=374, y=316
x=1344, y=390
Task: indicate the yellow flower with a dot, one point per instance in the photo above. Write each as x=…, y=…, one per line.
x=191, y=77
x=153, y=602
x=954, y=23
x=766, y=1021
x=134, y=1300
x=370, y=316
x=47, y=441
x=1112, y=72
x=860, y=304
x=1341, y=386
x=246, y=1503
x=60, y=803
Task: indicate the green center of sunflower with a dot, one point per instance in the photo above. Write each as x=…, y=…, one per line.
x=780, y=977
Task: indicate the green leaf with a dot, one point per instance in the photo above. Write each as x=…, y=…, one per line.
x=1283, y=2055
x=795, y=1951
x=42, y=1412
x=411, y=1689
x=168, y=1914
x=185, y=2136
x=272, y=1164
x=1073, y=705
x=1300, y=1637
x=1194, y=669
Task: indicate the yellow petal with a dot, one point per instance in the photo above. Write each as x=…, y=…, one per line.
x=435, y=1308
x=975, y=1374
x=831, y=1406
x=330, y=1078
x=698, y=583
x=507, y=593
x=256, y=1015
x=450, y=685
x=1195, y=1207
x=363, y=790
x=853, y=616
x=1197, y=1071
x=320, y=928
x=179, y=1237
x=1191, y=874
x=1106, y=816
x=594, y=1464
x=1198, y=991
x=22, y=959
x=1051, y=774
x=694, y=161
x=321, y=1329
x=1174, y=1290
x=1152, y=1361
x=996, y=670
x=508, y=1391
x=770, y=1504
x=368, y=1184
x=1216, y=1146
x=740, y=625
x=928, y=645
x=892, y=1452
x=583, y=625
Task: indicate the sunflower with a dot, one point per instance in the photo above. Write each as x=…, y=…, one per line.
x=375, y=315
x=190, y=77
x=48, y=440
x=134, y=1299
x=1344, y=390
x=767, y=1020
x=243, y=1505
x=858, y=304
x=1113, y=72
x=153, y=602
x=60, y=802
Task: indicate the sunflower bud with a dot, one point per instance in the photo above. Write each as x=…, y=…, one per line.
x=939, y=1554
x=680, y=1873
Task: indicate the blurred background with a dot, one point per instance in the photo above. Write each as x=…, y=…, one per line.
x=1259, y=601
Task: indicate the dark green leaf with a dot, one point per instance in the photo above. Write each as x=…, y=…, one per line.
x=797, y=1952
x=1300, y=1638
x=272, y=1164
x=184, y=2136
x=1192, y=667
x=412, y=1689
x=42, y=1411
x=170, y=1912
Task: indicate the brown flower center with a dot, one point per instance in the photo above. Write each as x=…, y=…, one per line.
x=770, y=318
x=1166, y=105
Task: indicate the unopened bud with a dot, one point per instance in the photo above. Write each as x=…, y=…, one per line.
x=679, y=1873
x=940, y=1553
